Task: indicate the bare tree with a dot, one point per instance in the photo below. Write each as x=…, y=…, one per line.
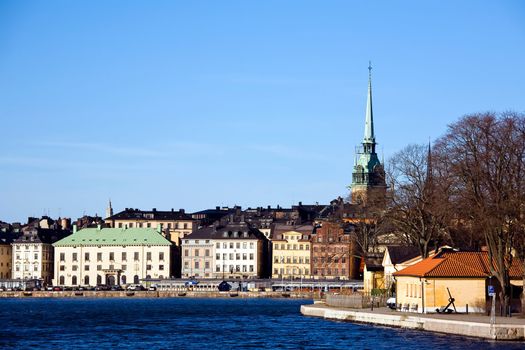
x=416, y=208
x=485, y=160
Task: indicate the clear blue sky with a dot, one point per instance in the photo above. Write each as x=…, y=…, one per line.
x=193, y=104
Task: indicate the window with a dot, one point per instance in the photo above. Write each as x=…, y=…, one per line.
x=99, y=267
x=99, y=279
x=161, y=256
x=148, y=267
x=136, y=256
x=224, y=256
x=62, y=256
x=207, y=252
x=186, y=252
x=61, y=280
x=86, y=256
x=130, y=225
x=124, y=267
x=36, y=256
x=244, y=245
x=231, y=245
x=74, y=280
x=74, y=267
x=218, y=245
x=225, y=245
x=244, y=255
x=217, y=268
x=148, y=256
x=185, y=225
x=238, y=256
x=86, y=280
x=251, y=268
x=196, y=252
x=124, y=278
x=124, y=256
x=251, y=256
x=36, y=268
x=119, y=225
x=251, y=245
x=207, y=265
x=238, y=245
x=218, y=256
x=276, y=259
x=231, y=256
x=111, y=256
x=99, y=256
x=196, y=264
x=161, y=267
x=86, y=267
x=62, y=267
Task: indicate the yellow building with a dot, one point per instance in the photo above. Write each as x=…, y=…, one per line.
x=291, y=251
x=373, y=273
x=5, y=260
x=424, y=287
x=175, y=224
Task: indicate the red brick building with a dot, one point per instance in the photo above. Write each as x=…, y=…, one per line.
x=334, y=252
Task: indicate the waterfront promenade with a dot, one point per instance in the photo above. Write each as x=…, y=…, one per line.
x=471, y=325
x=155, y=294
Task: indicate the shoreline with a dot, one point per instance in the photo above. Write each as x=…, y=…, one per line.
x=153, y=294
x=475, y=326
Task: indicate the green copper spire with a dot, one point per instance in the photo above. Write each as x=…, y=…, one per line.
x=368, y=175
x=369, y=121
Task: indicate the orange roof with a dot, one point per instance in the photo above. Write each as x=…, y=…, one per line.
x=457, y=264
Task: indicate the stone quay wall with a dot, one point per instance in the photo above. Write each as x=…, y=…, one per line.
x=483, y=330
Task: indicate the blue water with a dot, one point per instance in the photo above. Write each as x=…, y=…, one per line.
x=199, y=324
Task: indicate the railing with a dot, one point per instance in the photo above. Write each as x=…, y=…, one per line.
x=356, y=300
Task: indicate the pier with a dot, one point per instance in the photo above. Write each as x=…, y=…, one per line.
x=471, y=325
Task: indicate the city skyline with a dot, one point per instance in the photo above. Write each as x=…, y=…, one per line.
x=253, y=104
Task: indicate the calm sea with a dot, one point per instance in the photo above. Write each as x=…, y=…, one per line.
x=199, y=324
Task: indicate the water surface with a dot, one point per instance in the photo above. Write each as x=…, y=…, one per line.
x=200, y=324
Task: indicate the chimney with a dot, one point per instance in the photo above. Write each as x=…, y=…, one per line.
x=74, y=228
x=181, y=211
x=300, y=203
x=154, y=209
x=217, y=208
x=172, y=210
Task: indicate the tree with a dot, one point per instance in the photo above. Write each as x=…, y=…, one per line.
x=416, y=208
x=484, y=155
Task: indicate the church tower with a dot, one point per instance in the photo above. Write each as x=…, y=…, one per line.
x=109, y=210
x=368, y=178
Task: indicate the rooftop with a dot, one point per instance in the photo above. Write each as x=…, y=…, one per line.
x=457, y=264
x=113, y=236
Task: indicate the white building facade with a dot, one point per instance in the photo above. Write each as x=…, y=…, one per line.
x=111, y=256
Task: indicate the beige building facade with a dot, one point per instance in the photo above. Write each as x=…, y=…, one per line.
x=111, y=256
x=291, y=251
x=175, y=224
x=5, y=261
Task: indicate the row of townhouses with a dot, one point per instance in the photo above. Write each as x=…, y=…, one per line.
x=136, y=245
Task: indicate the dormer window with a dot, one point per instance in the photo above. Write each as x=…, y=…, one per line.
x=225, y=234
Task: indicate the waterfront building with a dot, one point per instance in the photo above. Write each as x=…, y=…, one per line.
x=176, y=224
x=241, y=251
x=423, y=287
x=368, y=178
x=397, y=258
x=198, y=258
x=32, y=252
x=5, y=258
x=334, y=254
x=291, y=251
x=373, y=272
x=111, y=256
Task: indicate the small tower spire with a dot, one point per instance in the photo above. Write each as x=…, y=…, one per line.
x=369, y=140
x=109, y=210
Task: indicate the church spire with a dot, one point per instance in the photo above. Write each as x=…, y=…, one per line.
x=369, y=121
